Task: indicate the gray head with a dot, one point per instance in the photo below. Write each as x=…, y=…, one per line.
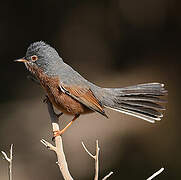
x=43, y=56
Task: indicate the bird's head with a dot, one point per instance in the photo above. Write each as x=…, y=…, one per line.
x=42, y=56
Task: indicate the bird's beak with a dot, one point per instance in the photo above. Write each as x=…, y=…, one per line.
x=21, y=60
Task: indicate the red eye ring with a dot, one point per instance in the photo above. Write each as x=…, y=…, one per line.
x=34, y=58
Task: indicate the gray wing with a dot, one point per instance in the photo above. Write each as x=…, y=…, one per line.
x=69, y=76
x=74, y=85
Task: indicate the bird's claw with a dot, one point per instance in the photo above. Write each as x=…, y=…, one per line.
x=56, y=133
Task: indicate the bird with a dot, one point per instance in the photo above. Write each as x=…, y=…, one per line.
x=72, y=94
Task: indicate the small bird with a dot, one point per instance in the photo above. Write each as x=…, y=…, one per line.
x=72, y=94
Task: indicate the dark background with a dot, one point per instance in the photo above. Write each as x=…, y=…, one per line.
x=112, y=43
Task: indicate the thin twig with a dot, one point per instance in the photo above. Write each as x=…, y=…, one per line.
x=5, y=156
x=156, y=174
x=97, y=161
x=107, y=176
x=58, y=149
x=48, y=145
x=9, y=160
x=95, y=157
x=91, y=155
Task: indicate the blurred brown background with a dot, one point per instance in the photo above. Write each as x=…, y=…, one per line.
x=112, y=43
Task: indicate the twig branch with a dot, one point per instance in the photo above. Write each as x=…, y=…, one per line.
x=58, y=148
x=156, y=174
x=9, y=160
x=48, y=145
x=97, y=161
x=107, y=176
x=91, y=155
x=96, y=158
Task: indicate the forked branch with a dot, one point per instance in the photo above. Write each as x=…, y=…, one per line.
x=9, y=160
x=58, y=148
x=96, y=158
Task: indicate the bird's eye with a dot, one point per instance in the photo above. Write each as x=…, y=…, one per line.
x=34, y=58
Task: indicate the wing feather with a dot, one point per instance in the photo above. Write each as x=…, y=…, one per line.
x=85, y=96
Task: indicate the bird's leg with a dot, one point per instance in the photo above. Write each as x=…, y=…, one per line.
x=59, y=133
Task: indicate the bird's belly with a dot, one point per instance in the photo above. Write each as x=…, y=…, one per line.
x=60, y=100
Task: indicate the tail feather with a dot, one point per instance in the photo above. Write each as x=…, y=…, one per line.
x=146, y=104
x=143, y=98
x=140, y=101
x=143, y=110
x=155, y=89
x=136, y=114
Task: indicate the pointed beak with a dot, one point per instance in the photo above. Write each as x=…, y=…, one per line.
x=21, y=60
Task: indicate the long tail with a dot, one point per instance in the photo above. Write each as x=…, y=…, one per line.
x=141, y=100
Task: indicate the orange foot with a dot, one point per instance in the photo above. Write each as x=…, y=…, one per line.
x=57, y=133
